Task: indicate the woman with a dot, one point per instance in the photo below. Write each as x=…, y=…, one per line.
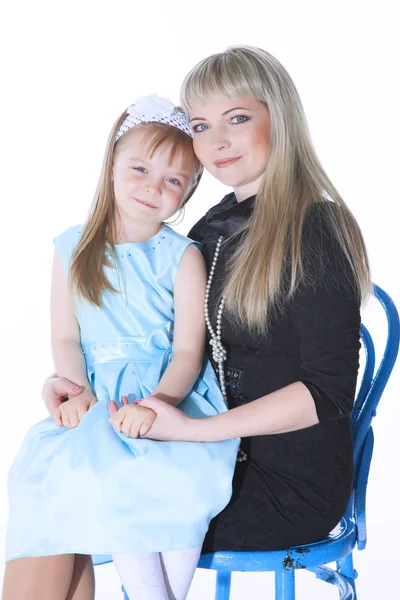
x=287, y=272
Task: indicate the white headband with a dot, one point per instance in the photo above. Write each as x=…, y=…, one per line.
x=154, y=109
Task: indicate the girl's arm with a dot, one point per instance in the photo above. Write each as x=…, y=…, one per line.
x=65, y=336
x=189, y=329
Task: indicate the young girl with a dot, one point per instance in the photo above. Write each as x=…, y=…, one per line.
x=127, y=324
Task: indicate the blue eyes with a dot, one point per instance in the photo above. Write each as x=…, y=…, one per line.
x=240, y=119
x=237, y=120
x=172, y=180
x=198, y=128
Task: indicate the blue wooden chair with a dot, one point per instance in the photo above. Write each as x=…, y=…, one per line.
x=338, y=546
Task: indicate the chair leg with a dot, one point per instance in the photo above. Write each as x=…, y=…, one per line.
x=345, y=589
x=124, y=593
x=223, y=587
x=284, y=585
x=346, y=569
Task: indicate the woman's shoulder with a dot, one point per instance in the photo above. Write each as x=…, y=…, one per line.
x=320, y=216
x=322, y=228
x=325, y=258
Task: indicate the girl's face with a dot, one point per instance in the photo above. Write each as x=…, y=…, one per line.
x=148, y=190
x=232, y=141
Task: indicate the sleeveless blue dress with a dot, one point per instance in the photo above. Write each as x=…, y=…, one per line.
x=90, y=490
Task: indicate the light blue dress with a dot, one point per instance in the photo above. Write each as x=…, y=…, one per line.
x=90, y=490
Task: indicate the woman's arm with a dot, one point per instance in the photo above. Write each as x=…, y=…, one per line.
x=189, y=329
x=326, y=319
x=65, y=336
x=56, y=390
x=287, y=409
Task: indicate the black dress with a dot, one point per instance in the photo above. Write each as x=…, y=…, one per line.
x=294, y=487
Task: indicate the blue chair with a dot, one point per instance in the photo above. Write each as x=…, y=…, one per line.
x=338, y=546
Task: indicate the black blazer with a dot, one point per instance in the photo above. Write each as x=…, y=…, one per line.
x=316, y=339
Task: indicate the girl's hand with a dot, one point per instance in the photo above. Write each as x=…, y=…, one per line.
x=69, y=414
x=133, y=420
x=171, y=423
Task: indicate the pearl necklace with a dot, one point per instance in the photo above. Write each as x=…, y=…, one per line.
x=219, y=353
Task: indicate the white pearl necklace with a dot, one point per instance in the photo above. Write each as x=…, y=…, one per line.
x=219, y=353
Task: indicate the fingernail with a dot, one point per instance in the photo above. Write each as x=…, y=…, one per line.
x=76, y=388
x=137, y=401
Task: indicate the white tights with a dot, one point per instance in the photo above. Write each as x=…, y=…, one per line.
x=157, y=575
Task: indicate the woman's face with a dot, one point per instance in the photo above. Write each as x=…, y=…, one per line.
x=232, y=140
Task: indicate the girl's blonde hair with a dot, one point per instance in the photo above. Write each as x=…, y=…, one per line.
x=87, y=276
x=294, y=180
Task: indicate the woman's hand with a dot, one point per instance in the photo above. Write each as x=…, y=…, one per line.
x=69, y=414
x=56, y=390
x=133, y=420
x=171, y=423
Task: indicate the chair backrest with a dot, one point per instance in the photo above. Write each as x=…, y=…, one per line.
x=372, y=385
x=370, y=392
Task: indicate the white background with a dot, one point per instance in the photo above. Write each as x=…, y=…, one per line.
x=69, y=68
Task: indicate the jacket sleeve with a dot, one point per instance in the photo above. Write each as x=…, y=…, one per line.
x=326, y=317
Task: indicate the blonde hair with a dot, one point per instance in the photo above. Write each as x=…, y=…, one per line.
x=293, y=181
x=87, y=277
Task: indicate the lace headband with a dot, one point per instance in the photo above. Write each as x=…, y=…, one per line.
x=154, y=109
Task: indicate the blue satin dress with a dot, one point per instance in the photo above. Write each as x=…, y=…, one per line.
x=90, y=490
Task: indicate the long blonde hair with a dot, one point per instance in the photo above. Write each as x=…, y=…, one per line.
x=87, y=276
x=294, y=180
